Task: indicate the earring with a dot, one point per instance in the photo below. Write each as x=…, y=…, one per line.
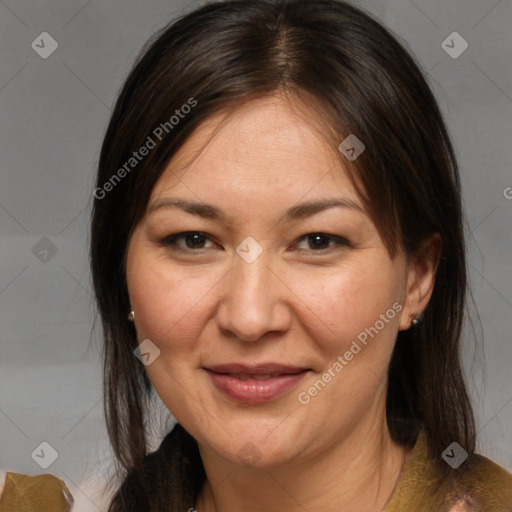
x=415, y=318
x=131, y=316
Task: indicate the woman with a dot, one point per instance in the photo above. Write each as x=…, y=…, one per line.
x=278, y=212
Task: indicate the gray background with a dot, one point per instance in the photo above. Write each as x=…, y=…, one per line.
x=53, y=114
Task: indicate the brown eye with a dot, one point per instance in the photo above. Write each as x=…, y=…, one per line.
x=320, y=241
x=193, y=240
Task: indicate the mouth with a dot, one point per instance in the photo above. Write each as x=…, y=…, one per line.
x=255, y=386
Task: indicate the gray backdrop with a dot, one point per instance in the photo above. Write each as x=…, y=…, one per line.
x=54, y=109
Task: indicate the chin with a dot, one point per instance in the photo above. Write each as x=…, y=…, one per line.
x=254, y=451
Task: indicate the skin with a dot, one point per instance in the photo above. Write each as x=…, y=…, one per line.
x=295, y=304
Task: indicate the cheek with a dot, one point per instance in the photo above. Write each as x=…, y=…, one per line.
x=167, y=308
x=167, y=303
x=346, y=302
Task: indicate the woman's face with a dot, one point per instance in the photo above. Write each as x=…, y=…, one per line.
x=248, y=286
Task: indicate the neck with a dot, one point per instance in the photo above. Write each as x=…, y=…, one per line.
x=357, y=473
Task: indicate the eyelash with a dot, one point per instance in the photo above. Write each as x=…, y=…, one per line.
x=170, y=241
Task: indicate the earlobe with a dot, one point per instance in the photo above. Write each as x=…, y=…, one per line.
x=421, y=277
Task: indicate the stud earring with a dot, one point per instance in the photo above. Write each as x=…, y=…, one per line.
x=415, y=318
x=131, y=316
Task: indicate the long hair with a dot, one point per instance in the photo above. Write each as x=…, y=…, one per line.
x=355, y=77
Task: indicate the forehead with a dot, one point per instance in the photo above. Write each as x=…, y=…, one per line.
x=265, y=149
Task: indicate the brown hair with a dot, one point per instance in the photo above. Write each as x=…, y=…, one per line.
x=363, y=82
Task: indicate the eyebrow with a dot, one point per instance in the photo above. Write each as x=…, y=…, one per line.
x=297, y=212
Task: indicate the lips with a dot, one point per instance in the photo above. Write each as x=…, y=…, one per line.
x=252, y=384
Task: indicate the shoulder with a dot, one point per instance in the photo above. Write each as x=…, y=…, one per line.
x=34, y=493
x=486, y=484
x=477, y=485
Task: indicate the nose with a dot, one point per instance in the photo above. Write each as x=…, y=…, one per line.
x=254, y=300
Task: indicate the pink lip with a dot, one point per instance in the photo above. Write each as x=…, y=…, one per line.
x=252, y=390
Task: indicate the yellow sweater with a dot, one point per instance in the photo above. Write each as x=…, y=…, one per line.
x=485, y=487
x=42, y=493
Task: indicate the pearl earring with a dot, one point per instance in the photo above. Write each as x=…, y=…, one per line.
x=131, y=316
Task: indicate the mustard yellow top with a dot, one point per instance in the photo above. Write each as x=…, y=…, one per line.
x=42, y=493
x=484, y=487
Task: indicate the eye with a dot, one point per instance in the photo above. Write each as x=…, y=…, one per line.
x=320, y=241
x=193, y=240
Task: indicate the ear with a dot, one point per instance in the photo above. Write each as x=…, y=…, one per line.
x=421, y=276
